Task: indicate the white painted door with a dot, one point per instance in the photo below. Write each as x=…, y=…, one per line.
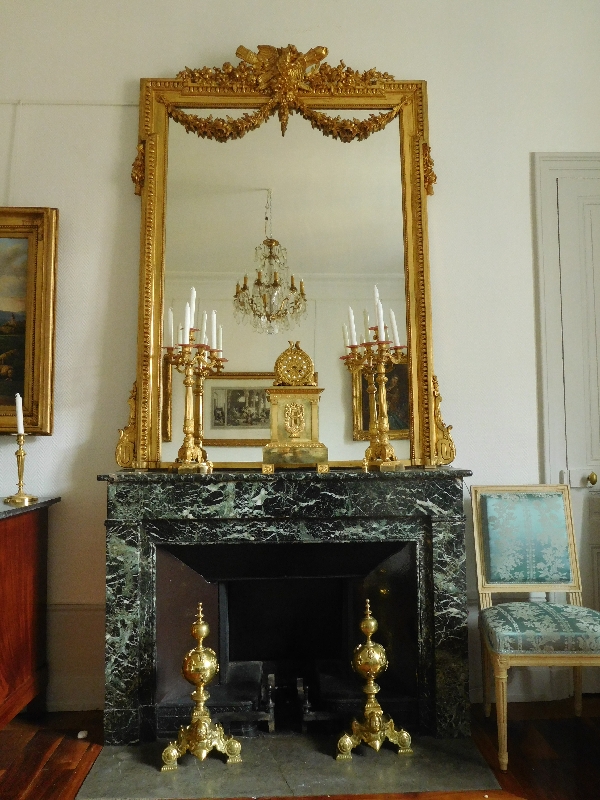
x=578, y=206
x=567, y=195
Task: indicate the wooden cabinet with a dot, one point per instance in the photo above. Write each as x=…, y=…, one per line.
x=23, y=555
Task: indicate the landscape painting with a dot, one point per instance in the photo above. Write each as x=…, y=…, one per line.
x=13, y=295
x=28, y=243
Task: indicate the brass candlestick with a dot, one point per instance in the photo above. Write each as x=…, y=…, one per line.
x=374, y=359
x=201, y=735
x=195, y=362
x=368, y=661
x=20, y=498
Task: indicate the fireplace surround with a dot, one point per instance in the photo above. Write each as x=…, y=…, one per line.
x=150, y=512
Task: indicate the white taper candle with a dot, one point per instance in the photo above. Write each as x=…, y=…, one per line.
x=203, y=335
x=366, y=321
x=345, y=335
x=220, y=339
x=213, y=331
x=169, y=336
x=192, y=307
x=395, y=336
x=352, y=327
x=380, y=323
x=186, y=324
x=19, y=411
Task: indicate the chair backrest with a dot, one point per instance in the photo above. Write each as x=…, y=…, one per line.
x=524, y=541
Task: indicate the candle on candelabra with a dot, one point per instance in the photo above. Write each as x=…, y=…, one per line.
x=186, y=324
x=180, y=334
x=345, y=335
x=169, y=336
x=395, y=336
x=380, y=323
x=352, y=327
x=213, y=331
x=220, y=339
x=366, y=321
x=203, y=332
x=376, y=293
x=192, y=307
x=19, y=413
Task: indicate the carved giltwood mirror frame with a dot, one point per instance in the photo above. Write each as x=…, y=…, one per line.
x=283, y=81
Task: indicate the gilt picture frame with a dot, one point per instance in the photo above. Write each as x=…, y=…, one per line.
x=236, y=411
x=398, y=400
x=28, y=247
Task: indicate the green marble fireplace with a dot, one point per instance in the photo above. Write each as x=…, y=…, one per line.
x=230, y=525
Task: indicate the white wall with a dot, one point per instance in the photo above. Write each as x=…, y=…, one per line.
x=505, y=78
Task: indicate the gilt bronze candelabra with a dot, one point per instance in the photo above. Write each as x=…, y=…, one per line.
x=373, y=359
x=195, y=362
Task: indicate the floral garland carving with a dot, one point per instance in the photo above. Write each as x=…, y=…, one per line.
x=283, y=73
x=138, y=168
x=221, y=130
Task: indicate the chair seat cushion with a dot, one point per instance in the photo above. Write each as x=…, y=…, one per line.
x=541, y=628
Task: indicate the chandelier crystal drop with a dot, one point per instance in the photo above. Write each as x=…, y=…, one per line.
x=273, y=303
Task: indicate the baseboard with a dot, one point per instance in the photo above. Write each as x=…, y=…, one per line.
x=75, y=657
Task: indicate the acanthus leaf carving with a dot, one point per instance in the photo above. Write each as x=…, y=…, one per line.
x=138, y=169
x=445, y=449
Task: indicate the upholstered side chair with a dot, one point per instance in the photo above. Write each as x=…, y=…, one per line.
x=524, y=542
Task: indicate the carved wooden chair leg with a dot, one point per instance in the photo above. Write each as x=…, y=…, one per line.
x=485, y=676
x=501, y=667
x=577, y=684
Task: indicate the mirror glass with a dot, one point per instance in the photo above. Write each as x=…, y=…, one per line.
x=336, y=208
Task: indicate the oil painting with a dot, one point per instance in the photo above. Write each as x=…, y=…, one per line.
x=397, y=389
x=28, y=239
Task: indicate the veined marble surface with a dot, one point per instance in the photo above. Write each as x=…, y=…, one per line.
x=146, y=509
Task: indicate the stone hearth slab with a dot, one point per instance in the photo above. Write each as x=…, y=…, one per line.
x=287, y=766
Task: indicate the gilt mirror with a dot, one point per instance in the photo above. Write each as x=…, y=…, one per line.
x=347, y=185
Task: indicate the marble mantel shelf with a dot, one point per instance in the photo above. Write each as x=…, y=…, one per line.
x=150, y=509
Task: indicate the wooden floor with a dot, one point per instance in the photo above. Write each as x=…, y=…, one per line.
x=552, y=755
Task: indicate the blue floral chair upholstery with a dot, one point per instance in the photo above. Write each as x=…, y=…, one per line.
x=524, y=542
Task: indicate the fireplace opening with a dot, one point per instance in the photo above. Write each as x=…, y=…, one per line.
x=284, y=621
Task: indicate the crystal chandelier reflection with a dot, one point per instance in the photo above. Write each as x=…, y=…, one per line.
x=274, y=302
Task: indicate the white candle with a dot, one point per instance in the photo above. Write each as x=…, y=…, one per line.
x=345, y=335
x=394, y=329
x=367, y=331
x=186, y=324
x=169, y=336
x=213, y=331
x=376, y=293
x=352, y=328
x=203, y=336
x=192, y=307
x=180, y=334
x=380, y=324
x=19, y=410
x=220, y=339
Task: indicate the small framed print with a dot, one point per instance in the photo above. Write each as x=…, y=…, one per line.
x=28, y=240
x=236, y=409
x=397, y=390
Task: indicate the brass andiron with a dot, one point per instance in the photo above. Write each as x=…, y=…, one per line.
x=20, y=498
x=374, y=359
x=195, y=362
x=201, y=735
x=368, y=661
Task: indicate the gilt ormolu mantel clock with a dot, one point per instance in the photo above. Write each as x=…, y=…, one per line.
x=294, y=414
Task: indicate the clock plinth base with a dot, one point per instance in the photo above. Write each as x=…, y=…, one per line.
x=303, y=454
